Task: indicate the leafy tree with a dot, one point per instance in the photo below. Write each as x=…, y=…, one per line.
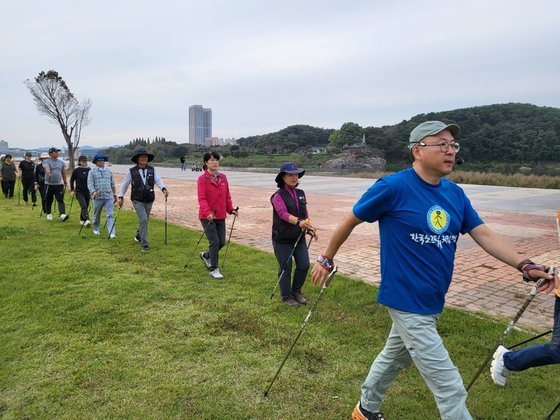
x=53, y=98
x=349, y=133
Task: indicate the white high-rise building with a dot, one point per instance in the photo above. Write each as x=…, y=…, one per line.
x=200, y=124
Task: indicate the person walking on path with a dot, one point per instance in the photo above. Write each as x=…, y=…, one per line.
x=420, y=215
x=214, y=202
x=290, y=221
x=143, y=178
x=27, y=170
x=55, y=183
x=79, y=188
x=8, y=176
x=183, y=164
x=101, y=185
x=506, y=361
x=40, y=180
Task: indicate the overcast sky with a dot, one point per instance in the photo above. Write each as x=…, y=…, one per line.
x=264, y=65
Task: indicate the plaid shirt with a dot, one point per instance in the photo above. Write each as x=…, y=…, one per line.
x=101, y=180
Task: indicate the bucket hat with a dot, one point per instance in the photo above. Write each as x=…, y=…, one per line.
x=139, y=153
x=289, y=168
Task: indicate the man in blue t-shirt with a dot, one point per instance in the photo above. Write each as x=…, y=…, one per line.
x=420, y=215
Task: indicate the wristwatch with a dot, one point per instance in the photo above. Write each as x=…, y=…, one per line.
x=325, y=262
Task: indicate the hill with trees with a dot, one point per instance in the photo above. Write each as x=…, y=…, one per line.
x=500, y=137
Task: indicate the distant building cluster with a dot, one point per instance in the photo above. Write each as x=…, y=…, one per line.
x=200, y=128
x=4, y=146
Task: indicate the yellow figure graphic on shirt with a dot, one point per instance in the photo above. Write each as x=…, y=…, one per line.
x=438, y=219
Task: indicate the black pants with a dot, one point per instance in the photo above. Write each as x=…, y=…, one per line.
x=53, y=191
x=83, y=200
x=301, y=256
x=8, y=188
x=216, y=234
x=29, y=187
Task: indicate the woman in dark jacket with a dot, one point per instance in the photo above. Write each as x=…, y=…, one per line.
x=79, y=188
x=290, y=222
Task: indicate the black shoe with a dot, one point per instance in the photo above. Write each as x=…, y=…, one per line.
x=361, y=413
x=34, y=205
x=145, y=248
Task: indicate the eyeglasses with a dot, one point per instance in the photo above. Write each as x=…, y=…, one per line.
x=443, y=146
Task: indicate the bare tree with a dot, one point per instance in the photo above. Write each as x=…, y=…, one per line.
x=53, y=98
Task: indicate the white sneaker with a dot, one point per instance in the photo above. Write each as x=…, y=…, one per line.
x=63, y=217
x=498, y=371
x=49, y=216
x=206, y=260
x=87, y=223
x=96, y=232
x=113, y=235
x=216, y=274
x=82, y=222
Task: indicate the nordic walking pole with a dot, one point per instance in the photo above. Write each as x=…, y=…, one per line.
x=165, y=232
x=229, y=238
x=286, y=264
x=305, y=321
x=530, y=339
x=196, y=246
x=530, y=297
x=114, y=223
x=553, y=411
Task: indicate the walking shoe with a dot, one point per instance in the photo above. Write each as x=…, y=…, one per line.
x=49, y=216
x=299, y=298
x=96, y=232
x=34, y=205
x=145, y=248
x=82, y=222
x=113, y=236
x=216, y=274
x=63, y=217
x=291, y=302
x=206, y=260
x=498, y=371
x=361, y=413
x=25, y=203
x=87, y=223
x=137, y=238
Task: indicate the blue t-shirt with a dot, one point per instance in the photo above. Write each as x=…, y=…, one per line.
x=419, y=225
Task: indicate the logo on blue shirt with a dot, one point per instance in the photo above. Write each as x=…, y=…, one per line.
x=438, y=219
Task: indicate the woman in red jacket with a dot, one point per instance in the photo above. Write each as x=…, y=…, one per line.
x=214, y=202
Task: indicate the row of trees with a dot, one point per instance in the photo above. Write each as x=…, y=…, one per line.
x=513, y=132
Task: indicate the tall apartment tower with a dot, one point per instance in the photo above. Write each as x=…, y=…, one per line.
x=200, y=124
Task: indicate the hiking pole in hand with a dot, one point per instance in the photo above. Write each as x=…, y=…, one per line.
x=196, y=246
x=530, y=297
x=229, y=237
x=165, y=231
x=114, y=223
x=286, y=263
x=305, y=321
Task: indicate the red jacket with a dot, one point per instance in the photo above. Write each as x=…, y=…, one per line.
x=213, y=196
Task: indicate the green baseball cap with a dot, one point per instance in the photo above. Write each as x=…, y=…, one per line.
x=429, y=128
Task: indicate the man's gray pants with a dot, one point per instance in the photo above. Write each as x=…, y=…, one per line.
x=414, y=339
x=143, y=213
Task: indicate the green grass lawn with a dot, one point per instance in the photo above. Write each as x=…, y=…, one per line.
x=93, y=328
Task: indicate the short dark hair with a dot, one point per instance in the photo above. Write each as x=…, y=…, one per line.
x=209, y=155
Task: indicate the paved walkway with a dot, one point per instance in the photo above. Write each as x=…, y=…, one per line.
x=481, y=284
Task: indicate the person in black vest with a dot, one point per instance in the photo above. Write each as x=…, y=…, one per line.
x=27, y=170
x=289, y=219
x=143, y=178
x=79, y=188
